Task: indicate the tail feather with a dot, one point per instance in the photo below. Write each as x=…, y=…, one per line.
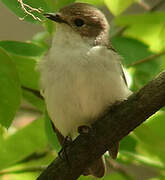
x=97, y=168
x=114, y=150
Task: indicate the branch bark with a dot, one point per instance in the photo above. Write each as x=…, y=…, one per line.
x=117, y=122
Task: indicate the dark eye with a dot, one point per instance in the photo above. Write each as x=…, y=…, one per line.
x=78, y=22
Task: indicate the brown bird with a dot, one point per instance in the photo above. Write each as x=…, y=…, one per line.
x=82, y=74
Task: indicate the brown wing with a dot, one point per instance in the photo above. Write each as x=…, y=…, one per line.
x=109, y=46
x=113, y=151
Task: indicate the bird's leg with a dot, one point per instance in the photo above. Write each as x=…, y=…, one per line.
x=63, y=152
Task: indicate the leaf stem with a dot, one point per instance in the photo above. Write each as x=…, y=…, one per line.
x=24, y=170
x=144, y=5
x=149, y=58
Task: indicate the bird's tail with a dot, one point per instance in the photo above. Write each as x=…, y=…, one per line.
x=97, y=168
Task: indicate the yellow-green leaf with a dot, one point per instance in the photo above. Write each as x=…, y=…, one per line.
x=118, y=6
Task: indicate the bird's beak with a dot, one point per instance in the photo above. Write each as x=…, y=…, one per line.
x=55, y=17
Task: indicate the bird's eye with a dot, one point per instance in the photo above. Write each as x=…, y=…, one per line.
x=78, y=22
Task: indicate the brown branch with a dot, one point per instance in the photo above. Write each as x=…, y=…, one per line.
x=149, y=58
x=110, y=128
x=144, y=5
x=157, y=6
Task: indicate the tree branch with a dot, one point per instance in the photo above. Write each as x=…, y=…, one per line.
x=110, y=128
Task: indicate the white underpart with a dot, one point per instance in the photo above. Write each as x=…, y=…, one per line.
x=79, y=81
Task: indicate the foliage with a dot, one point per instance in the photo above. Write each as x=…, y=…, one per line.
x=34, y=145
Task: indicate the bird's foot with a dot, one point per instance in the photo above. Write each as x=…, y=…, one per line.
x=84, y=129
x=63, y=152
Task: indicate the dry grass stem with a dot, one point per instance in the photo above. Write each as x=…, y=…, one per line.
x=29, y=11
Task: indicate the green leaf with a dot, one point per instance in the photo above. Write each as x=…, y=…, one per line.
x=49, y=26
x=62, y=3
x=85, y=178
x=22, y=48
x=132, y=50
x=115, y=176
x=152, y=35
x=14, y=6
x=29, y=77
x=128, y=143
x=40, y=38
x=23, y=143
x=145, y=72
x=51, y=135
x=151, y=137
x=146, y=18
x=31, y=165
x=34, y=100
x=148, y=160
x=118, y=6
x=10, y=91
x=1, y=133
x=157, y=124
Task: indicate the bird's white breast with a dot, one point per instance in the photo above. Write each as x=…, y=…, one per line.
x=79, y=82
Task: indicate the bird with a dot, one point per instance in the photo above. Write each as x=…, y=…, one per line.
x=81, y=75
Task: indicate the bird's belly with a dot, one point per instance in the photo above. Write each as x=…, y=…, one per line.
x=77, y=99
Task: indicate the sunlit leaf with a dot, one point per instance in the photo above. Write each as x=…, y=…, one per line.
x=94, y=2
x=23, y=175
x=85, y=178
x=118, y=6
x=148, y=28
x=152, y=34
